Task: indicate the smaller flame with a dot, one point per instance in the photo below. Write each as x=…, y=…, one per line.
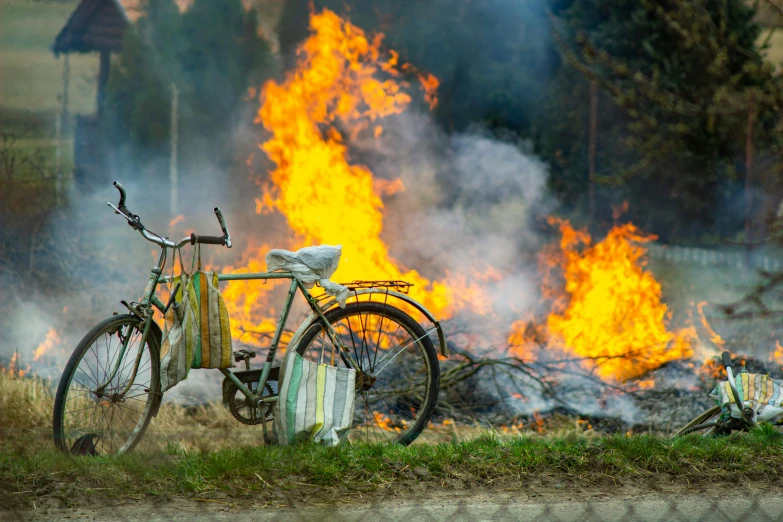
x=386, y=187
x=178, y=219
x=384, y=422
x=430, y=85
x=777, y=355
x=716, y=339
x=52, y=339
x=13, y=371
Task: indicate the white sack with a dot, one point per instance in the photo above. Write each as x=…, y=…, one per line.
x=310, y=265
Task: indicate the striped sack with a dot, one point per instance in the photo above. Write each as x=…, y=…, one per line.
x=179, y=337
x=212, y=348
x=315, y=402
x=760, y=392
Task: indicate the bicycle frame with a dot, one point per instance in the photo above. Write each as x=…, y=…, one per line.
x=145, y=312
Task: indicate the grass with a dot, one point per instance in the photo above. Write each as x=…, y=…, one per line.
x=251, y=471
x=202, y=452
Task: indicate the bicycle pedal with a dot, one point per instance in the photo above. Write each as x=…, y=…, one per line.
x=244, y=355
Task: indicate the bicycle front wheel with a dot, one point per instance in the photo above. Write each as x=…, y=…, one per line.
x=101, y=408
x=397, y=387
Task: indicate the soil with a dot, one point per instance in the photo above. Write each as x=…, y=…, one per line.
x=420, y=494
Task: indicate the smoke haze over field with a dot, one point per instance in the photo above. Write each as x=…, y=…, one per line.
x=471, y=208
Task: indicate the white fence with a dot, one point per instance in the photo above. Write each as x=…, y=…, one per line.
x=714, y=257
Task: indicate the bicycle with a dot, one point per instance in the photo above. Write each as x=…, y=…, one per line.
x=742, y=411
x=110, y=388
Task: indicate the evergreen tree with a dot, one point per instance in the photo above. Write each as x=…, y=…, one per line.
x=212, y=54
x=683, y=73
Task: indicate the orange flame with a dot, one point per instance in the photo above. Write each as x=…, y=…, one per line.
x=716, y=339
x=13, y=371
x=178, y=219
x=777, y=355
x=384, y=422
x=342, y=85
x=608, y=308
x=52, y=339
x=430, y=85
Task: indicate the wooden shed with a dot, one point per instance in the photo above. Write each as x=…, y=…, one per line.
x=96, y=26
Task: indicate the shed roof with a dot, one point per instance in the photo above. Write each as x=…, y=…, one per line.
x=95, y=25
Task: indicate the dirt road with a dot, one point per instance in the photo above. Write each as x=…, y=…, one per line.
x=496, y=507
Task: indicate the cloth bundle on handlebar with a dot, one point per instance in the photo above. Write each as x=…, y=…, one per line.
x=197, y=333
x=310, y=265
x=761, y=393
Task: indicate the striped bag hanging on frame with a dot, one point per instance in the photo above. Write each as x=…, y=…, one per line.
x=213, y=339
x=180, y=331
x=315, y=401
x=197, y=333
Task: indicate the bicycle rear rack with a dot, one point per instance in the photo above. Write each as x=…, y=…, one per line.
x=400, y=286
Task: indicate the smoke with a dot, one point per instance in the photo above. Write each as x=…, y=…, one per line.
x=471, y=203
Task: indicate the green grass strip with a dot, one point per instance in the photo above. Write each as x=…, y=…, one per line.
x=243, y=471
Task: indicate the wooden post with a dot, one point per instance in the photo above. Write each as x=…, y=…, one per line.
x=66, y=82
x=748, y=184
x=103, y=77
x=174, y=138
x=58, y=156
x=592, y=144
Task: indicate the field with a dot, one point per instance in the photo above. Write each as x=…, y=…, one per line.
x=200, y=458
x=202, y=455
x=31, y=78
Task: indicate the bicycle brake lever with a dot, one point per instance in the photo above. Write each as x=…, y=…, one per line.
x=117, y=211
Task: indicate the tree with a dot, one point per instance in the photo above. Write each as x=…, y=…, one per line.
x=683, y=72
x=212, y=53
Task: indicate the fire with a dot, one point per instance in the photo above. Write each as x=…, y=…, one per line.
x=384, y=422
x=777, y=355
x=13, y=370
x=342, y=85
x=52, y=339
x=716, y=339
x=176, y=220
x=608, y=308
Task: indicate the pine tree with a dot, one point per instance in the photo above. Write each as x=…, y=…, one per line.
x=684, y=73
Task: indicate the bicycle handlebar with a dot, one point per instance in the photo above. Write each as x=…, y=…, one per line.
x=135, y=222
x=730, y=373
x=207, y=240
x=726, y=359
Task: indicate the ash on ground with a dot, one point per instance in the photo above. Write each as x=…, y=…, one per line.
x=660, y=402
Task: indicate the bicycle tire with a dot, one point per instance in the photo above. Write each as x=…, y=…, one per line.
x=394, y=421
x=65, y=438
x=706, y=420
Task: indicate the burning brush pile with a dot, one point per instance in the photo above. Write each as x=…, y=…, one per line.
x=601, y=344
x=603, y=349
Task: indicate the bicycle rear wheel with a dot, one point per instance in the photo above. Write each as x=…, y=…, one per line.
x=92, y=415
x=395, y=400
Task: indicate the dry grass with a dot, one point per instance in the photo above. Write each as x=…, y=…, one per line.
x=26, y=405
x=25, y=409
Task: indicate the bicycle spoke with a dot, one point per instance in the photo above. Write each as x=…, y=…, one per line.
x=112, y=420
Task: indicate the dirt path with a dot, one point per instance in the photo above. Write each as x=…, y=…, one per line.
x=451, y=507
